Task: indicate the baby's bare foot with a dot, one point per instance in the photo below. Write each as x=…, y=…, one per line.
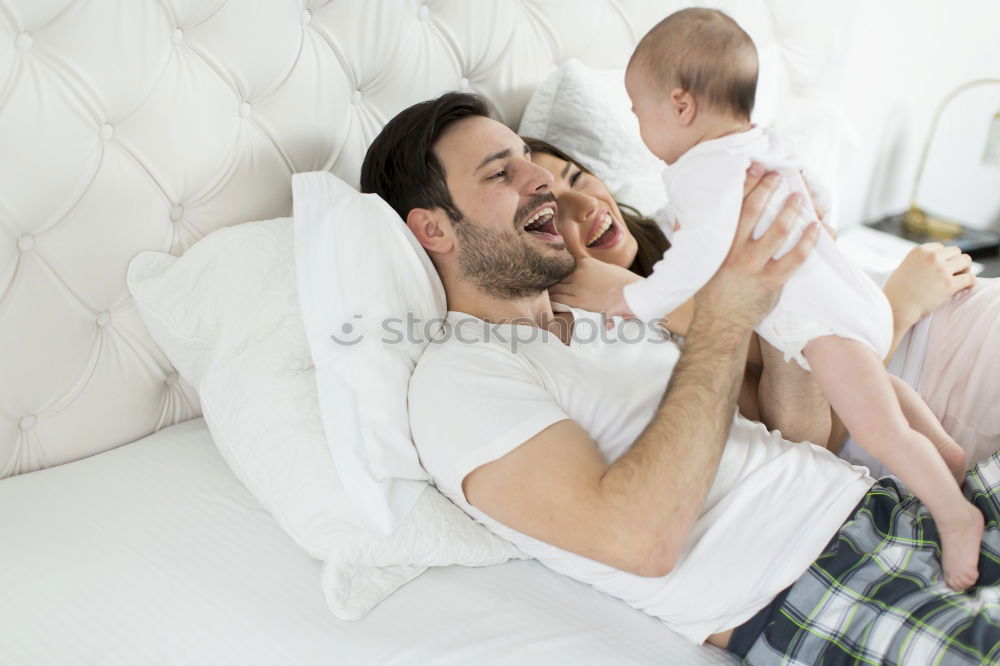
x=954, y=458
x=960, y=540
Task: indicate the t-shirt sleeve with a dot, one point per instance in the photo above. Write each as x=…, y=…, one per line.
x=706, y=197
x=470, y=405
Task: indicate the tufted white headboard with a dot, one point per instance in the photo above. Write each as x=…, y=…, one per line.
x=129, y=125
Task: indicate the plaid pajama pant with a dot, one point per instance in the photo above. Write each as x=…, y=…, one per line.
x=876, y=596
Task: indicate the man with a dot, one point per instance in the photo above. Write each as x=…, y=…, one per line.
x=615, y=458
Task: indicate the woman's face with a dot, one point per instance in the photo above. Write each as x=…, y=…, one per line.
x=589, y=219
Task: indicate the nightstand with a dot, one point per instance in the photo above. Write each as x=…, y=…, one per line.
x=991, y=267
x=979, y=245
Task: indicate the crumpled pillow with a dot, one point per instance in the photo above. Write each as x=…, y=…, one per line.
x=363, y=280
x=227, y=316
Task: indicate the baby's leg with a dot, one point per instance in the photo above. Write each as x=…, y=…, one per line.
x=859, y=389
x=922, y=419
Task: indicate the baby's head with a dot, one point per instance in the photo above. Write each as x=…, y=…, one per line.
x=692, y=77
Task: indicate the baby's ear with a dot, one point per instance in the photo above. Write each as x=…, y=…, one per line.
x=683, y=106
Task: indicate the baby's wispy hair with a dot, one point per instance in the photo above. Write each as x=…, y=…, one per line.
x=704, y=52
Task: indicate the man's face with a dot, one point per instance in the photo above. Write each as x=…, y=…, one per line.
x=507, y=242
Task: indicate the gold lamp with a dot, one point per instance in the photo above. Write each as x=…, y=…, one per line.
x=918, y=221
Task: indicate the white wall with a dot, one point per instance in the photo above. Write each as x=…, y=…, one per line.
x=904, y=57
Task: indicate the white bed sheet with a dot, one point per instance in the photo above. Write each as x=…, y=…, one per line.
x=154, y=553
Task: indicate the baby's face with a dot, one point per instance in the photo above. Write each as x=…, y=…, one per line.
x=658, y=125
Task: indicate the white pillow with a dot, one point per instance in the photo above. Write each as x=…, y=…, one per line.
x=362, y=274
x=227, y=316
x=587, y=113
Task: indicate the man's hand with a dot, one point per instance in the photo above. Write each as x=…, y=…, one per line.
x=748, y=283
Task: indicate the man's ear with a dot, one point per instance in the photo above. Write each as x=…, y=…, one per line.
x=683, y=106
x=432, y=229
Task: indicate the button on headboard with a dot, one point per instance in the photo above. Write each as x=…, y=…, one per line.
x=129, y=125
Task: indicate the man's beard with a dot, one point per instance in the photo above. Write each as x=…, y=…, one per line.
x=508, y=266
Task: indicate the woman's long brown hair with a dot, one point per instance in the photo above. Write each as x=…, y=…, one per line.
x=651, y=241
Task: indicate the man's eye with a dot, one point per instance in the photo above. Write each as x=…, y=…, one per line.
x=499, y=174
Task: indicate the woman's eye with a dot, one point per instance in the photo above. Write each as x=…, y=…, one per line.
x=575, y=177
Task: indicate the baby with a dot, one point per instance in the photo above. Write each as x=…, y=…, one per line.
x=692, y=82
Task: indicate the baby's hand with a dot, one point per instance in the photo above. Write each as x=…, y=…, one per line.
x=595, y=286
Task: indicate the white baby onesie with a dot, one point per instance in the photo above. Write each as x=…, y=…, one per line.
x=826, y=295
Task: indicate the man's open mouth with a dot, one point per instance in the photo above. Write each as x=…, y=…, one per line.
x=604, y=233
x=542, y=224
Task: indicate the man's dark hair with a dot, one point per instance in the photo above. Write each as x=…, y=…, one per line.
x=401, y=166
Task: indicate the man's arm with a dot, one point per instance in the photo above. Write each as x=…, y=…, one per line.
x=636, y=514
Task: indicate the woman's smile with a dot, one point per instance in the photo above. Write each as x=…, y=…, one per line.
x=605, y=233
x=588, y=218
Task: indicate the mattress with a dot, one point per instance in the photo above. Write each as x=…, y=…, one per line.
x=154, y=553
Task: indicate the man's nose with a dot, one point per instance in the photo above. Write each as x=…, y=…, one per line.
x=539, y=179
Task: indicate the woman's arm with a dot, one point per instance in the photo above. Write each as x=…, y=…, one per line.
x=746, y=402
x=791, y=400
x=929, y=275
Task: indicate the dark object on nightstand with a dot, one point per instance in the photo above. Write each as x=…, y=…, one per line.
x=973, y=242
x=983, y=246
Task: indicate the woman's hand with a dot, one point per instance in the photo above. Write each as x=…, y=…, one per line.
x=929, y=275
x=595, y=286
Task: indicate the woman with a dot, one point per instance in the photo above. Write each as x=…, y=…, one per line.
x=955, y=366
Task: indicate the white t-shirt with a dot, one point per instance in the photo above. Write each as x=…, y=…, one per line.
x=826, y=295
x=483, y=389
